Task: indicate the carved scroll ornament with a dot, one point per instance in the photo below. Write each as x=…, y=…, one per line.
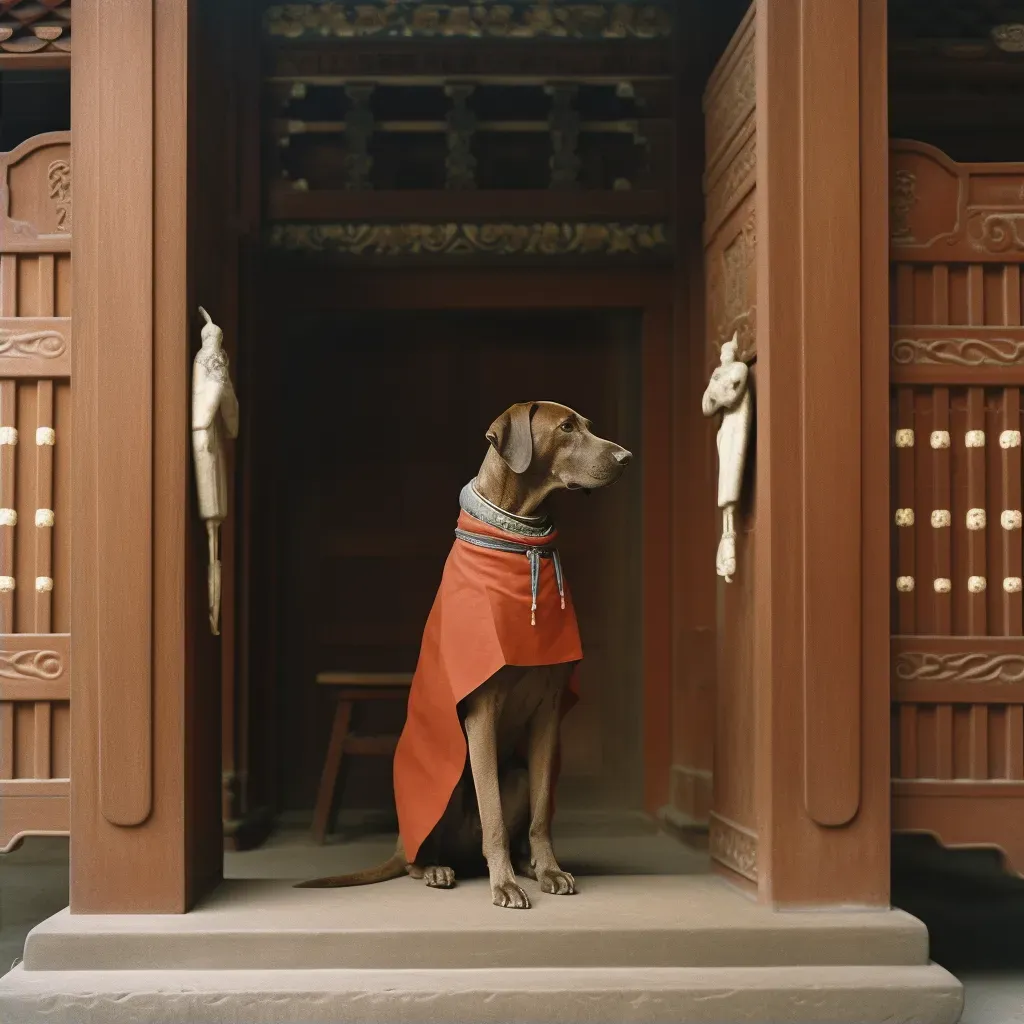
x=958, y=351
x=961, y=667
x=31, y=665
x=48, y=344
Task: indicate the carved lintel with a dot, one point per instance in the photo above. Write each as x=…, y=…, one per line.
x=460, y=164
x=495, y=19
x=463, y=239
x=733, y=845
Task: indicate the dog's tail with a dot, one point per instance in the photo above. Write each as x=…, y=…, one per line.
x=394, y=867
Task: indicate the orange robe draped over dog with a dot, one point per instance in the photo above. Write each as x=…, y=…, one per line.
x=480, y=622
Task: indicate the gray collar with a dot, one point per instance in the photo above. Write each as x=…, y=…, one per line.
x=472, y=502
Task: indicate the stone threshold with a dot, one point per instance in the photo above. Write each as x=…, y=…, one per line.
x=626, y=948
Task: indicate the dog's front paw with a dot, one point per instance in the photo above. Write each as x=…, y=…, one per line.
x=439, y=877
x=508, y=894
x=557, y=882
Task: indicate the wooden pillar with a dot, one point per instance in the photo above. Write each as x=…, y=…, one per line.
x=821, y=599
x=134, y=828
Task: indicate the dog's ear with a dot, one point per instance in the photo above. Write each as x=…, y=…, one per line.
x=511, y=436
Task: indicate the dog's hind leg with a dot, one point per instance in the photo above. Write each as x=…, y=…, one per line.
x=427, y=866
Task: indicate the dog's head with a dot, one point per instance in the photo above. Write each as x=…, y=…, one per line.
x=553, y=444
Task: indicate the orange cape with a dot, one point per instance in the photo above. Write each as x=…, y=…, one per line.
x=479, y=622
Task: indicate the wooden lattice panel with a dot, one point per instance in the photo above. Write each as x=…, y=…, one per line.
x=957, y=369
x=35, y=464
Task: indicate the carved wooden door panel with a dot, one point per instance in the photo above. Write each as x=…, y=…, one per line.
x=730, y=208
x=35, y=397
x=957, y=368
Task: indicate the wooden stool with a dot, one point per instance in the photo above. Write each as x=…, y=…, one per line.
x=352, y=687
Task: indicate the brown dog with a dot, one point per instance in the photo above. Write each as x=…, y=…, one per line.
x=501, y=806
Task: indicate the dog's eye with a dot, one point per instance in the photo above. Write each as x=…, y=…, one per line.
x=567, y=426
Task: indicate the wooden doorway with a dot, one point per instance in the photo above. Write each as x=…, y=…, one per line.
x=380, y=423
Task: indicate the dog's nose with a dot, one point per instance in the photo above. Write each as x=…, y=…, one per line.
x=623, y=458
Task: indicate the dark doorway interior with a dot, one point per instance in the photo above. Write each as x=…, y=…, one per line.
x=384, y=416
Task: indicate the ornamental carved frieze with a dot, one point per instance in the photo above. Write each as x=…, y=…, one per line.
x=734, y=846
x=407, y=19
x=960, y=667
x=418, y=240
x=957, y=351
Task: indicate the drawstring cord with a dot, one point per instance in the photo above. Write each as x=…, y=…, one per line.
x=534, y=553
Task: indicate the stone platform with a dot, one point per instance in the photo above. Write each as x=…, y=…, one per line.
x=627, y=948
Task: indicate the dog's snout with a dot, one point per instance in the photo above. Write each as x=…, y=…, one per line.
x=623, y=458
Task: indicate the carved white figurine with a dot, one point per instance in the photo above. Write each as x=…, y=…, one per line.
x=728, y=393
x=214, y=414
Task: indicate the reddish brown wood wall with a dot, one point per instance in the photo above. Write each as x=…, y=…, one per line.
x=957, y=650
x=35, y=499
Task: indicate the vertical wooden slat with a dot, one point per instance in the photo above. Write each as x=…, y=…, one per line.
x=42, y=733
x=1015, y=742
x=974, y=536
x=908, y=766
x=906, y=603
x=1010, y=539
x=8, y=496
x=940, y=294
x=43, y=582
x=8, y=285
x=944, y=741
x=940, y=519
x=978, y=756
x=6, y=740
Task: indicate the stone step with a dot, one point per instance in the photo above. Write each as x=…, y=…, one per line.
x=924, y=994
x=634, y=922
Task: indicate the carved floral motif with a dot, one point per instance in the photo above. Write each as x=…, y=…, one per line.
x=49, y=344
x=901, y=202
x=550, y=239
x=724, y=194
x=733, y=846
x=1009, y=38
x=58, y=175
x=961, y=667
x=31, y=665
x=958, y=351
x=405, y=19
